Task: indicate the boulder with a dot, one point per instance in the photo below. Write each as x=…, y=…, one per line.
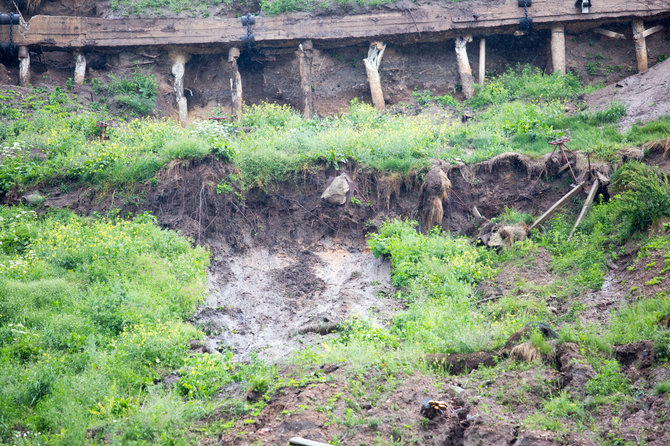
x=337, y=192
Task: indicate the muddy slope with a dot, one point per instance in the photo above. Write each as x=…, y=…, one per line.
x=645, y=96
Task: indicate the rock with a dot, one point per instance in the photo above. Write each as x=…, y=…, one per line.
x=337, y=192
x=33, y=199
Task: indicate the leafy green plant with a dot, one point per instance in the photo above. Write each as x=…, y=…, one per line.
x=608, y=380
x=137, y=92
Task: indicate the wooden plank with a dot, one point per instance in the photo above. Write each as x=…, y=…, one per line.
x=444, y=19
x=608, y=33
x=652, y=30
x=558, y=205
x=585, y=208
x=297, y=441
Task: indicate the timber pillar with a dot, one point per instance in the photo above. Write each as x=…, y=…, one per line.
x=558, y=48
x=79, y=69
x=464, y=69
x=235, y=82
x=372, y=63
x=482, y=61
x=178, y=70
x=24, y=66
x=640, y=45
x=305, y=57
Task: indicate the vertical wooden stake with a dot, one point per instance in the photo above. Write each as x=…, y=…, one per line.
x=467, y=81
x=482, y=61
x=79, y=69
x=178, y=70
x=558, y=48
x=372, y=63
x=305, y=55
x=24, y=66
x=235, y=82
x=640, y=45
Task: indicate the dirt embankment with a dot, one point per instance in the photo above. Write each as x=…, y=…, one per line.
x=645, y=96
x=287, y=266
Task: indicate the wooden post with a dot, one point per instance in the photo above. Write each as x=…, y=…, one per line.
x=585, y=208
x=640, y=45
x=482, y=61
x=178, y=69
x=79, y=69
x=235, y=82
x=372, y=63
x=467, y=81
x=558, y=48
x=305, y=55
x=24, y=66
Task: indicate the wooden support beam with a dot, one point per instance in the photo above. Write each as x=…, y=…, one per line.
x=482, y=60
x=585, y=208
x=464, y=69
x=79, y=68
x=652, y=30
x=640, y=45
x=437, y=21
x=608, y=33
x=558, y=205
x=24, y=66
x=558, y=48
x=235, y=82
x=305, y=56
x=178, y=70
x=372, y=63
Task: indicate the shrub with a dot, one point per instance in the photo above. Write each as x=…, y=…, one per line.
x=641, y=197
x=525, y=82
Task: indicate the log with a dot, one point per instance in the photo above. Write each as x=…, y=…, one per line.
x=372, y=63
x=178, y=69
x=482, y=60
x=558, y=205
x=235, y=82
x=305, y=57
x=24, y=66
x=640, y=45
x=585, y=208
x=79, y=69
x=558, y=48
x=464, y=70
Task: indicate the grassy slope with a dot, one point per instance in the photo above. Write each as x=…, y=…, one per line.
x=92, y=310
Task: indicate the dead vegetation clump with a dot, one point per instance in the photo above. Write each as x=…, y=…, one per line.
x=432, y=196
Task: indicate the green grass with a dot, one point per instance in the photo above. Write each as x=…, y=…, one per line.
x=49, y=139
x=92, y=314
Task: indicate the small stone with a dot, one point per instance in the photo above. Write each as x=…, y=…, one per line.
x=457, y=389
x=33, y=199
x=336, y=193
